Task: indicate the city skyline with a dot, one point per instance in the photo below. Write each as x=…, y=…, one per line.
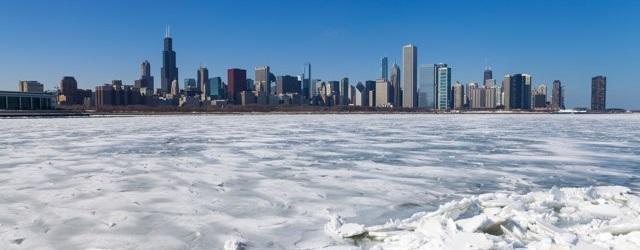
x=333, y=66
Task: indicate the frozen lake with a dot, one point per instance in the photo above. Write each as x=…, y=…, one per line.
x=274, y=181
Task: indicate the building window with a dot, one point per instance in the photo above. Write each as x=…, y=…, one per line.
x=12, y=103
x=25, y=103
x=3, y=102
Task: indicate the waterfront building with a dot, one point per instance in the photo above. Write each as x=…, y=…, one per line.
x=18, y=100
x=599, y=93
x=557, y=97
x=410, y=77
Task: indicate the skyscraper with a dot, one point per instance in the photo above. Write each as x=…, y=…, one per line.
x=287, y=85
x=344, y=88
x=540, y=97
x=383, y=93
x=169, y=70
x=410, y=81
x=517, y=92
x=599, y=93
x=175, y=89
x=557, y=99
x=203, y=79
x=190, y=84
x=146, y=80
x=307, y=88
x=458, y=96
x=215, y=89
x=384, y=69
x=370, y=92
x=236, y=83
x=262, y=81
x=68, y=86
x=526, y=95
x=426, y=87
x=443, y=83
x=395, y=86
x=361, y=96
x=488, y=75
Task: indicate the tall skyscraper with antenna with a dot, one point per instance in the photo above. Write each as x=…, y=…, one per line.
x=169, y=70
x=488, y=74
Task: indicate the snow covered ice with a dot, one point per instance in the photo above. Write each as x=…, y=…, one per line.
x=340, y=181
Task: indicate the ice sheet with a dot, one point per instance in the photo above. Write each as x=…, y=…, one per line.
x=275, y=181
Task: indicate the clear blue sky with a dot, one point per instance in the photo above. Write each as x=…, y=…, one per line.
x=98, y=41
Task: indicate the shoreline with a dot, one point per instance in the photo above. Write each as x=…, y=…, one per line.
x=91, y=113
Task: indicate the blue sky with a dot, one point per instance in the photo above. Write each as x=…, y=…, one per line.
x=98, y=41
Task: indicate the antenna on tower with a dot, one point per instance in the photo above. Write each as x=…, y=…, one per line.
x=167, y=32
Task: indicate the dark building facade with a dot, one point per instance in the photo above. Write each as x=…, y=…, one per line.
x=488, y=75
x=344, y=91
x=557, y=97
x=116, y=94
x=169, y=70
x=370, y=90
x=12, y=100
x=517, y=92
x=599, y=93
x=287, y=84
x=395, y=86
x=236, y=83
x=68, y=85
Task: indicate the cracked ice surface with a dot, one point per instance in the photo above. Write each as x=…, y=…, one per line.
x=279, y=181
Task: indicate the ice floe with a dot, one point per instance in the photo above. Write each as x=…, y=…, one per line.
x=561, y=218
